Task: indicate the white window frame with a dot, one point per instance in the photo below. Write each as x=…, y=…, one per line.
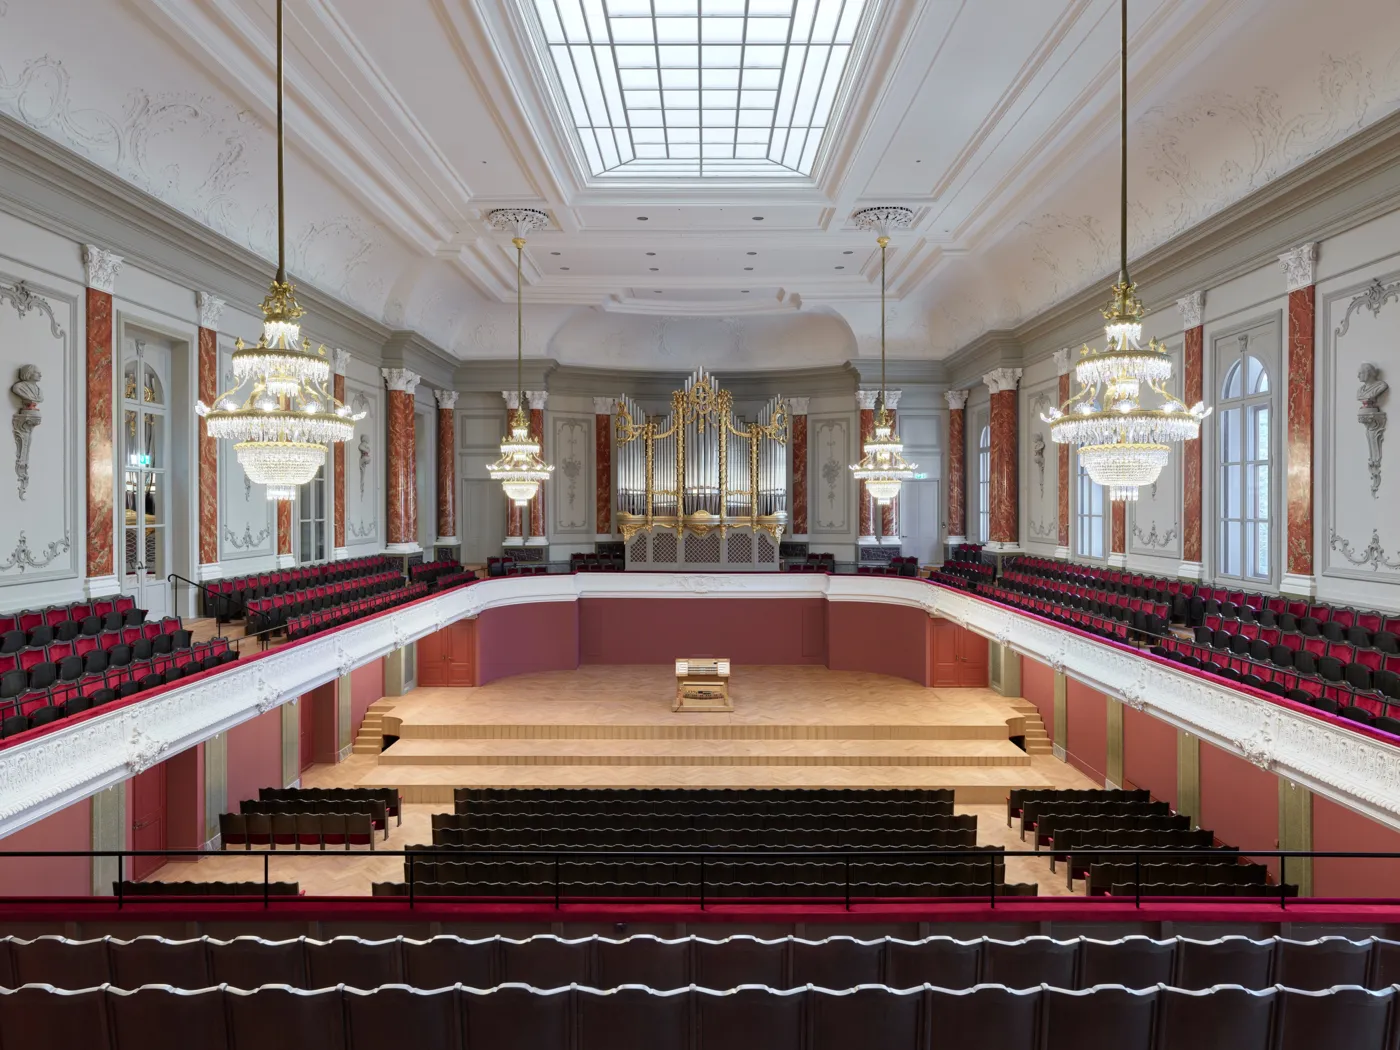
x=984, y=484
x=1091, y=511
x=1245, y=466
x=305, y=516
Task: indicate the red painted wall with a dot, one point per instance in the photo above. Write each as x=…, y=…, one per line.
x=1038, y=686
x=1338, y=829
x=1149, y=755
x=519, y=639
x=659, y=630
x=325, y=748
x=366, y=686
x=254, y=757
x=1086, y=730
x=68, y=829
x=1239, y=801
x=899, y=634
x=184, y=799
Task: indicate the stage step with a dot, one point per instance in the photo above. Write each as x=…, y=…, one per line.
x=710, y=753
x=1037, y=739
x=370, y=737
x=698, y=731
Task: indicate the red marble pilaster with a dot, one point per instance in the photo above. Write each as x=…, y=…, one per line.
x=866, y=400
x=1302, y=315
x=515, y=526
x=338, y=469
x=536, y=400
x=284, y=527
x=100, y=555
x=208, y=450
x=1062, y=490
x=1193, y=358
x=1003, y=497
x=799, y=465
x=1118, y=542
x=402, y=503
x=446, y=465
x=602, y=458
x=957, y=464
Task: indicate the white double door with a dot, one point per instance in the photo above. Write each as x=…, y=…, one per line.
x=145, y=461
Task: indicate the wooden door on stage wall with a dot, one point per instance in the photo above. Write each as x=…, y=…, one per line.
x=447, y=657
x=307, y=716
x=959, y=657
x=148, y=830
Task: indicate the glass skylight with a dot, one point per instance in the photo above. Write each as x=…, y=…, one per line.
x=700, y=88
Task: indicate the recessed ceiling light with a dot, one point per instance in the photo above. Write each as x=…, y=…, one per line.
x=748, y=267
x=651, y=253
x=553, y=253
x=848, y=252
x=840, y=267
x=758, y=218
x=751, y=253
x=657, y=291
x=641, y=218
x=746, y=291
x=654, y=268
x=563, y=267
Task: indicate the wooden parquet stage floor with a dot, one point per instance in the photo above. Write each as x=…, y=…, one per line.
x=612, y=726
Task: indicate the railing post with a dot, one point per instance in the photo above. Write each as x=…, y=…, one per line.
x=411, y=865
x=119, y=884
x=1282, y=882
x=266, y=893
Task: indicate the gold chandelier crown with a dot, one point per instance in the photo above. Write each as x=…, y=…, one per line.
x=281, y=426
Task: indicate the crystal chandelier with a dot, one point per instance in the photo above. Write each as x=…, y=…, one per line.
x=281, y=426
x=520, y=470
x=883, y=468
x=1123, y=444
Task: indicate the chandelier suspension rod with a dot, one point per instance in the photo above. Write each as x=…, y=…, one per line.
x=519, y=328
x=883, y=242
x=281, y=161
x=1123, y=146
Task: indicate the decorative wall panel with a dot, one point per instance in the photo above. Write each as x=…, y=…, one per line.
x=247, y=521
x=1040, y=470
x=830, y=455
x=364, y=466
x=1153, y=523
x=572, y=484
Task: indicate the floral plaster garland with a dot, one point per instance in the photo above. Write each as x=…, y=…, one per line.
x=24, y=557
x=1373, y=554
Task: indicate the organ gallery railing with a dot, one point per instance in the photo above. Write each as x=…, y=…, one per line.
x=700, y=468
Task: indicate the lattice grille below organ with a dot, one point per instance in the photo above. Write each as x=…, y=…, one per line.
x=638, y=550
x=767, y=551
x=663, y=547
x=700, y=549
x=740, y=548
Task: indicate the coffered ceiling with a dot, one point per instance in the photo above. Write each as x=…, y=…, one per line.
x=995, y=120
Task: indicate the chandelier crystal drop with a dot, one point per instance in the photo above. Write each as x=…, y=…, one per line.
x=882, y=466
x=520, y=470
x=279, y=414
x=1123, y=443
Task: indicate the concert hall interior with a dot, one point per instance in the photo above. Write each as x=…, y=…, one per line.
x=669, y=523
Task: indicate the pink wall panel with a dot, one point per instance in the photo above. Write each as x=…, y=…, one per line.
x=366, y=686
x=856, y=630
x=184, y=799
x=1338, y=829
x=1086, y=730
x=1038, y=686
x=747, y=630
x=254, y=756
x=1239, y=801
x=520, y=639
x=1149, y=754
x=68, y=829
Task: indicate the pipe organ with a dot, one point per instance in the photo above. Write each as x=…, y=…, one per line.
x=701, y=486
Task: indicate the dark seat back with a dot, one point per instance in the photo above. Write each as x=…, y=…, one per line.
x=155, y=960
x=394, y=1018
x=1229, y=960
x=354, y=962
x=1133, y=962
x=659, y=964
x=159, y=1019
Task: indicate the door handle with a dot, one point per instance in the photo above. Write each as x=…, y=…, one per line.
x=139, y=824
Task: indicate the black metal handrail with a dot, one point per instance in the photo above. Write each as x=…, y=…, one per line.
x=845, y=854
x=175, y=576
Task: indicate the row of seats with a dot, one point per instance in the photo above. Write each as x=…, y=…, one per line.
x=707, y=802
x=39, y=666
x=1371, y=630
x=1018, y=799
x=271, y=613
x=224, y=599
x=307, y=624
x=963, y=574
x=32, y=709
x=1146, y=616
x=393, y=804
x=319, y=829
x=637, y=1018
x=756, y=796
x=898, y=566
x=1364, y=668
x=611, y=888
x=1366, y=706
x=594, y=562
x=1110, y=627
x=66, y=622
x=733, y=821
x=547, y=961
x=1178, y=594
x=715, y=871
x=1103, y=876
x=502, y=566
x=205, y=889
x=779, y=837
x=430, y=571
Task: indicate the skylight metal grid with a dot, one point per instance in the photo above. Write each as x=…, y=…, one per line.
x=700, y=88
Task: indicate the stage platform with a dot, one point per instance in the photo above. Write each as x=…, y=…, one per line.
x=612, y=726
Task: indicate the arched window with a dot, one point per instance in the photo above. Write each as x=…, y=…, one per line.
x=1246, y=494
x=984, y=485
x=1089, y=515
